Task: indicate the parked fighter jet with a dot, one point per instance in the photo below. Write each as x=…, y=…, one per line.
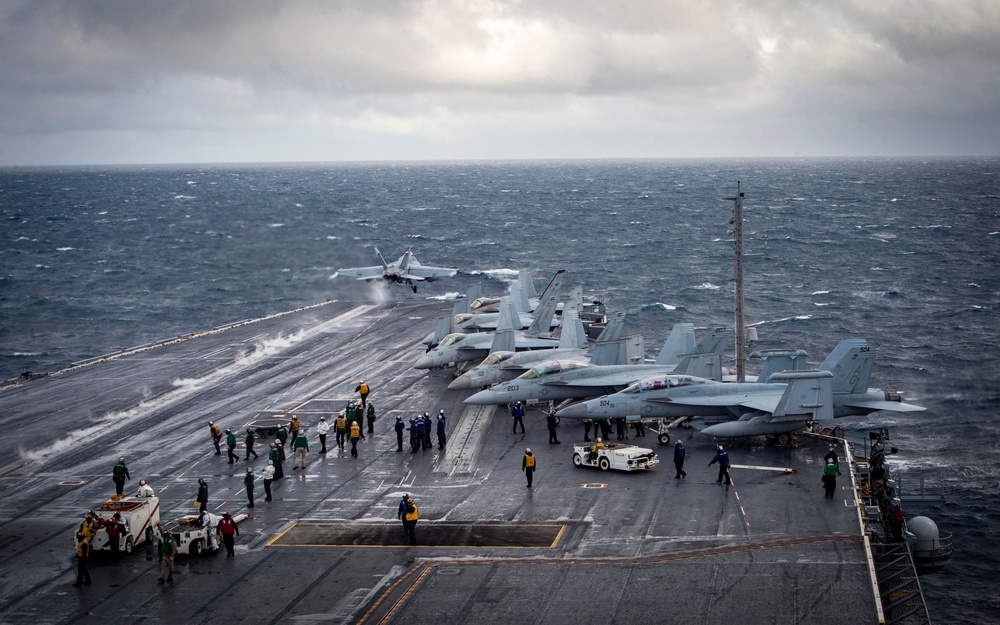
x=567, y=379
x=406, y=270
x=461, y=348
x=784, y=405
x=501, y=366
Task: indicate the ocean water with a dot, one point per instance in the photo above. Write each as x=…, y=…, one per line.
x=903, y=252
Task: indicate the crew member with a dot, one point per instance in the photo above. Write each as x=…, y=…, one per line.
x=830, y=473
x=356, y=435
x=268, y=476
x=831, y=456
x=340, y=426
x=231, y=446
x=248, y=482
x=88, y=527
x=274, y=457
x=300, y=445
x=723, y=459
x=249, y=441
x=442, y=437
x=145, y=490
x=322, y=428
x=399, y=427
x=552, y=422
x=414, y=436
x=216, y=436
x=202, y=500
x=115, y=529
x=119, y=474
x=82, y=554
x=168, y=550
x=679, y=454
x=371, y=418
x=896, y=521
x=293, y=426
x=517, y=414
x=229, y=530
x=362, y=389
x=528, y=464
x=410, y=515
x=595, y=448
x=427, y=432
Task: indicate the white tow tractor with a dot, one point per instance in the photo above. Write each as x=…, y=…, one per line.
x=614, y=456
x=139, y=515
x=193, y=539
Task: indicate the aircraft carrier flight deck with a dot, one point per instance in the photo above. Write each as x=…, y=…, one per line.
x=581, y=546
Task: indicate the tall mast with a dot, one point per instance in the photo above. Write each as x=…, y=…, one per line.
x=737, y=231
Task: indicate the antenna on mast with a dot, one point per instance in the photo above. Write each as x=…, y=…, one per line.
x=737, y=231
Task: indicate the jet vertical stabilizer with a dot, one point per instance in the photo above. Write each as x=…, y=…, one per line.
x=606, y=349
x=572, y=334
x=851, y=363
x=713, y=343
x=543, y=315
x=520, y=298
x=679, y=341
x=780, y=360
x=809, y=393
x=503, y=338
x=524, y=278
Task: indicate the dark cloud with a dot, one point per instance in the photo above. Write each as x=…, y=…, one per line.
x=451, y=78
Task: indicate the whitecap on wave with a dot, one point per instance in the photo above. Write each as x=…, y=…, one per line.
x=707, y=286
x=782, y=320
x=659, y=306
x=508, y=275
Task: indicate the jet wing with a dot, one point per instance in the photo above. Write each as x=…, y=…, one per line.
x=362, y=273
x=893, y=406
x=424, y=272
x=617, y=379
x=760, y=403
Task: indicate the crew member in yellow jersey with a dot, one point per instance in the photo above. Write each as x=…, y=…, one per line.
x=528, y=464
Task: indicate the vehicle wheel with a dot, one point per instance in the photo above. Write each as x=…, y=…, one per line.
x=196, y=548
x=149, y=534
x=784, y=439
x=664, y=438
x=605, y=464
x=128, y=545
x=577, y=460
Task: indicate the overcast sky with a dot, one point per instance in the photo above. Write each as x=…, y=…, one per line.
x=167, y=81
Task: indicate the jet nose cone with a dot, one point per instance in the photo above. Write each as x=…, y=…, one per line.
x=461, y=383
x=579, y=410
x=425, y=362
x=483, y=398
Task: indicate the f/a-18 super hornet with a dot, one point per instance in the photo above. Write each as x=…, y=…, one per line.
x=501, y=366
x=406, y=270
x=567, y=379
x=783, y=405
x=463, y=348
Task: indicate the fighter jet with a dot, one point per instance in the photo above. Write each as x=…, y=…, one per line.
x=569, y=379
x=462, y=348
x=501, y=366
x=406, y=270
x=781, y=406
